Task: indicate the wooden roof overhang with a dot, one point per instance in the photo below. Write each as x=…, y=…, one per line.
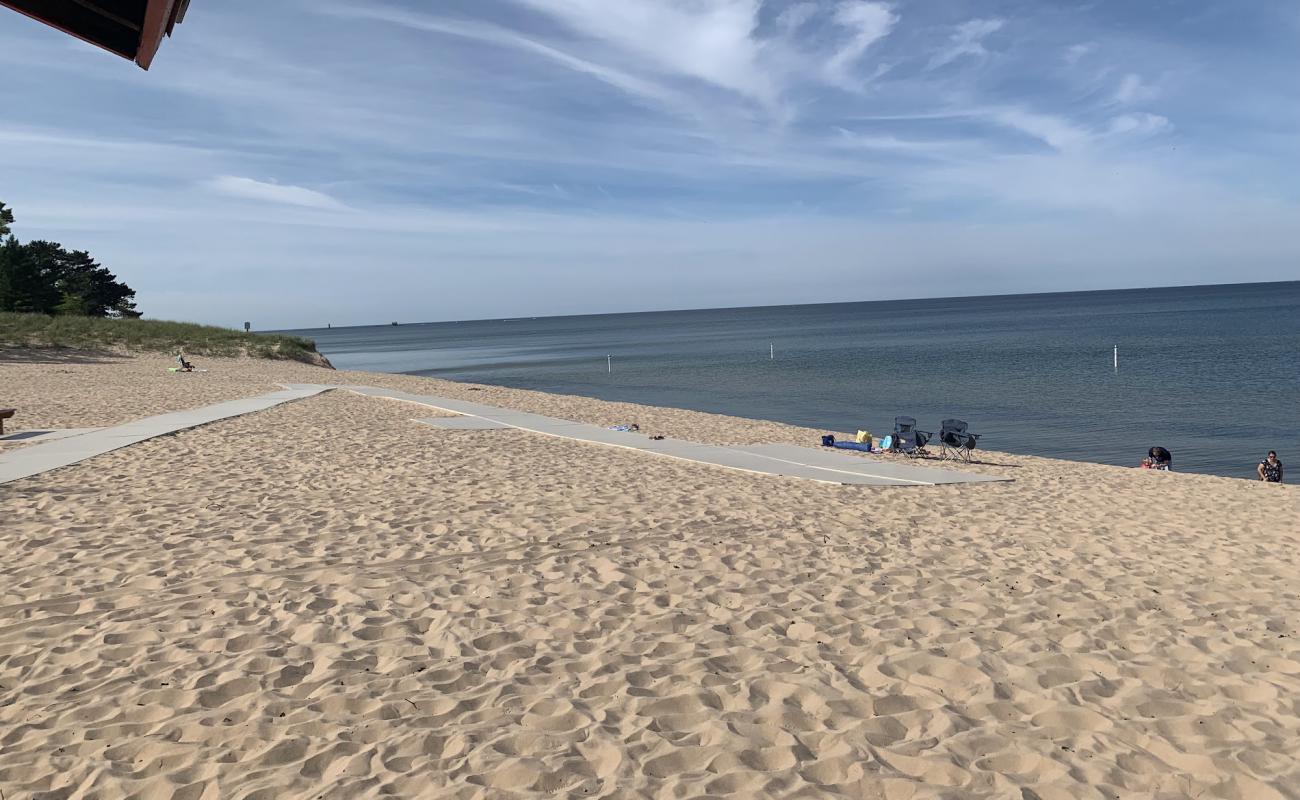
x=131, y=28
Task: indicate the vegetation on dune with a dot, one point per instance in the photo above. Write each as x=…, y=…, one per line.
x=149, y=335
x=52, y=297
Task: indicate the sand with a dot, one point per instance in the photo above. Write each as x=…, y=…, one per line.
x=328, y=600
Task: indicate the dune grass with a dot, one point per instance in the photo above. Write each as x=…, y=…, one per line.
x=149, y=335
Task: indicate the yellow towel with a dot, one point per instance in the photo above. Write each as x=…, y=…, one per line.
x=864, y=437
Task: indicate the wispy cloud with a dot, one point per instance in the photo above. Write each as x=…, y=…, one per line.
x=712, y=41
x=250, y=189
x=1133, y=90
x=869, y=22
x=1138, y=124
x=1075, y=52
x=502, y=37
x=1055, y=131
x=968, y=40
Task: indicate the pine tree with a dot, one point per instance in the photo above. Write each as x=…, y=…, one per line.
x=26, y=285
x=42, y=277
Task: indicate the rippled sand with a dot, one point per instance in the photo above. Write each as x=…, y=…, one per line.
x=329, y=600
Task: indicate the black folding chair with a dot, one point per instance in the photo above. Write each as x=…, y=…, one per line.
x=907, y=439
x=955, y=441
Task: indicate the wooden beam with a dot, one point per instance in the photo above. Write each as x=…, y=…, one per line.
x=157, y=19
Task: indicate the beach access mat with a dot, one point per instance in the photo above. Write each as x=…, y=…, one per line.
x=842, y=462
x=464, y=423
x=45, y=436
x=779, y=460
x=28, y=461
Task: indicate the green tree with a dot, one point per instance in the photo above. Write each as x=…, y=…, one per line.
x=43, y=277
x=73, y=305
x=26, y=284
x=99, y=291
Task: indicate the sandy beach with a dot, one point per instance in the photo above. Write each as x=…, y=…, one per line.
x=328, y=600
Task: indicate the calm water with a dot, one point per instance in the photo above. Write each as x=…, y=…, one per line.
x=1211, y=373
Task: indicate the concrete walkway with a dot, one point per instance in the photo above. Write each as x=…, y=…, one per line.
x=46, y=435
x=809, y=463
x=28, y=461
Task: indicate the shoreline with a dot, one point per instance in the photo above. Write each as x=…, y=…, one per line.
x=326, y=599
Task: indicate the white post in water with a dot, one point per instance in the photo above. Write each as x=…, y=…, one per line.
x=609, y=364
x=772, y=352
x=1116, y=356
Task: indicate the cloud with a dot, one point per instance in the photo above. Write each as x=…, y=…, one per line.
x=1055, y=131
x=870, y=22
x=894, y=145
x=1141, y=124
x=967, y=41
x=249, y=189
x=503, y=37
x=712, y=41
x=793, y=17
x=1133, y=90
x=1075, y=52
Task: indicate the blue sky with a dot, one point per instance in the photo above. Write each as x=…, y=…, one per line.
x=297, y=162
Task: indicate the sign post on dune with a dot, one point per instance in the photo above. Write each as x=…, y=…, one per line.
x=247, y=327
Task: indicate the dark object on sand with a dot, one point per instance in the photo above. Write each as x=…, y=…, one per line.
x=907, y=439
x=1160, y=458
x=6, y=413
x=955, y=441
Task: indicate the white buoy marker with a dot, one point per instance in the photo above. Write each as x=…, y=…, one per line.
x=609, y=364
x=772, y=352
x=1116, y=356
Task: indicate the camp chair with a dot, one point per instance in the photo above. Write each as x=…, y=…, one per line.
x=955, y=441
x=907, y=439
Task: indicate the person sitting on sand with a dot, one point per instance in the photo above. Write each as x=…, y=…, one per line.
x=1160, y=458
x=185, y=366
x=1270, y=469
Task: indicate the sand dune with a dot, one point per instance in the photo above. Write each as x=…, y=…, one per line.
x=329, y=600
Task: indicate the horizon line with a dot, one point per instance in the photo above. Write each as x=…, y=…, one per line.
x=776, y=305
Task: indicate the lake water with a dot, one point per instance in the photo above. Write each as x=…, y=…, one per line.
x=1212, y=373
